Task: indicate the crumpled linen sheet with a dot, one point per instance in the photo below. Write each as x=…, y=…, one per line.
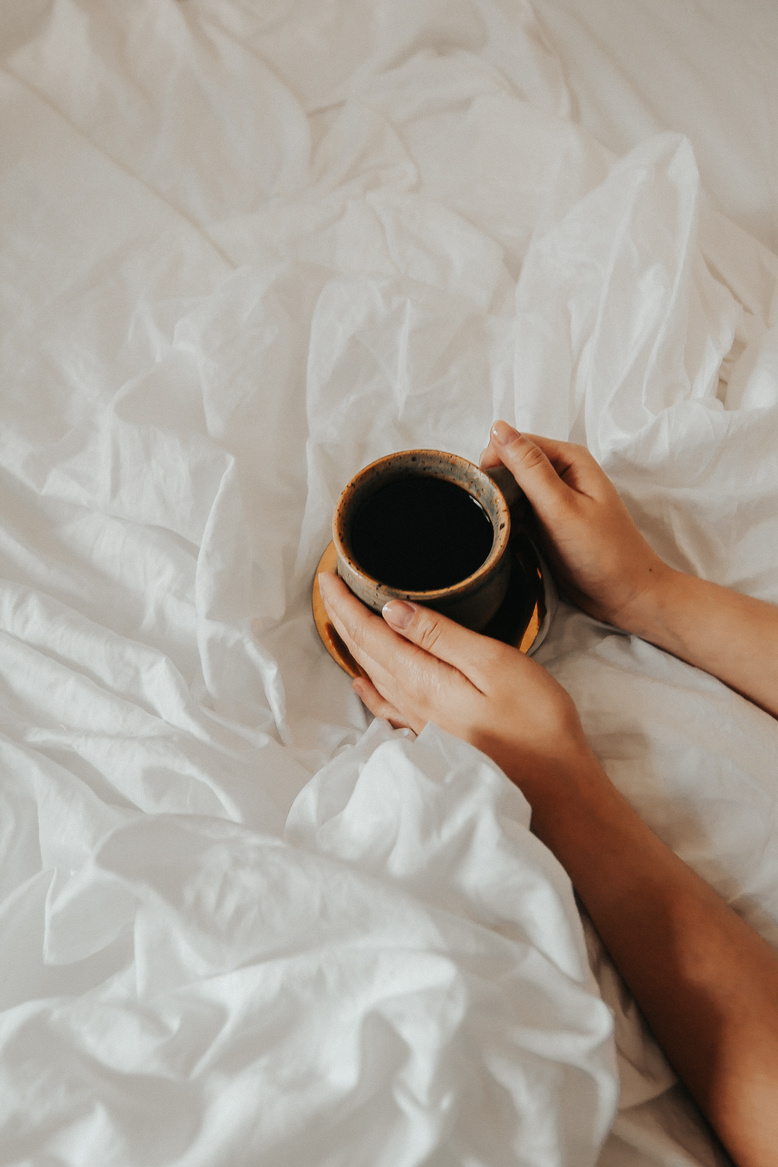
x=245, y=252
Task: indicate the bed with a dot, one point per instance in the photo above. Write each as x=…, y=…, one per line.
x=247, y=247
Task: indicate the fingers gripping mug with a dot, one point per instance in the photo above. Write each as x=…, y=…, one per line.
x=429, y=527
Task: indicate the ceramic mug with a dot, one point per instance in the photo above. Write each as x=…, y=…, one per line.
x=472, y=600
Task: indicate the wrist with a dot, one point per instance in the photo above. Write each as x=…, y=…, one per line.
x=646, y=615
x=563, y=793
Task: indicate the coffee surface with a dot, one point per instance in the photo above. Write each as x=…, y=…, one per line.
x=421, y=533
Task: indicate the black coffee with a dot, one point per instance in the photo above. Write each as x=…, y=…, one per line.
x=421, y=533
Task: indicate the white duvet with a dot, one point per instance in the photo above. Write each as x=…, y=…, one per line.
x=246, y=248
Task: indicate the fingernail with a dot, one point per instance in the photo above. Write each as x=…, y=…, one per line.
x=398, y=613
x=504, y=433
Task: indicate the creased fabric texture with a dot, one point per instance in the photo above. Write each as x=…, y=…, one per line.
x=246, y=249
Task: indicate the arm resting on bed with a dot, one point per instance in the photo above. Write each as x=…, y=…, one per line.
x=732, y=636
x=708, y=983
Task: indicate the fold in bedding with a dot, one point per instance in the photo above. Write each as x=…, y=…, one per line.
x=244, y=253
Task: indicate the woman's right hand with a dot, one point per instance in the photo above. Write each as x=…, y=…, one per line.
x=595, y=550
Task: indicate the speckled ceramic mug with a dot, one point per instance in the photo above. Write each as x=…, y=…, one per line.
x=473, y=600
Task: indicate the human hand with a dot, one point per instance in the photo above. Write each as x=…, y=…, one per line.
x=594, y=548
x=423, y=667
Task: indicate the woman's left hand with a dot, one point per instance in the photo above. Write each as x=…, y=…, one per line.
x=423, y=667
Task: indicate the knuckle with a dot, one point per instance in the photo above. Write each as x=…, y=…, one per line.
x=421, y=686
x=429, y=632
x=492, y=657
x=581, y=454
x=527, y=455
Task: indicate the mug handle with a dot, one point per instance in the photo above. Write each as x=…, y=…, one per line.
x=502, y=477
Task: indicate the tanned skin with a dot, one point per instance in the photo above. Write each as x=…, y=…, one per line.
x=706, y=982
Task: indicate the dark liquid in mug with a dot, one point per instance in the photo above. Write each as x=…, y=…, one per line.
x=421, y=533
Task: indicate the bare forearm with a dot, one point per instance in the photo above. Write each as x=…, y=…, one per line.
x=706, y=982
x=732, y=636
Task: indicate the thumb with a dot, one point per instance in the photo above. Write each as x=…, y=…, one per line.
x=531, y=468
x=437, y=635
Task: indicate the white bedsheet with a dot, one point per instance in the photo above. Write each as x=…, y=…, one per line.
x=245, y=249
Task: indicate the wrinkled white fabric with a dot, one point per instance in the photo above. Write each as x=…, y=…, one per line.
x=365, y=988
x=247, y=248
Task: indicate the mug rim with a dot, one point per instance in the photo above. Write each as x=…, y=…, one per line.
x=501, y=521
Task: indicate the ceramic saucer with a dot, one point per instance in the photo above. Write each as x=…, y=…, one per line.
x=522, y=620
